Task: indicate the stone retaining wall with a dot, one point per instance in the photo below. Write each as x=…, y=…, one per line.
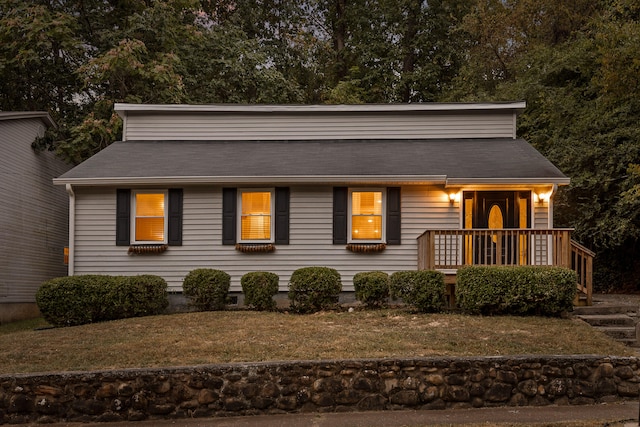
x=353, y=385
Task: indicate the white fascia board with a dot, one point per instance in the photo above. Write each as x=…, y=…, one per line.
x=456, y=182
x=17, y=115
x=305, y=179
x=122, y=109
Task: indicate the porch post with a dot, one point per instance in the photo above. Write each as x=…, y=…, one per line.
x=426, y=250
x=499, y=235
x=566, y=249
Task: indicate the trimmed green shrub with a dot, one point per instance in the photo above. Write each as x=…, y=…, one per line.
x=77, y=300
x=207, y=288
x=259, y=287
x=313, y=289
x=372, y=288
x=423, y=289
x=521, y=290
x=135, y=296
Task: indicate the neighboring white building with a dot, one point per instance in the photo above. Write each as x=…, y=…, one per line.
x=33, y=215
x=278, y=187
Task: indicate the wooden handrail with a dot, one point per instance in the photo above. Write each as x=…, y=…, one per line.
x=452, y=249
x=582, y=264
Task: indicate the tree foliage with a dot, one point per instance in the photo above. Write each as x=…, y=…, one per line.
x=577, y=68
x=575, y=62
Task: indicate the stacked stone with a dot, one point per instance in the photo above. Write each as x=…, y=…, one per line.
x=323, y=386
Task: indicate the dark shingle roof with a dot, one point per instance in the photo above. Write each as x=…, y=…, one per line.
x=455, y=159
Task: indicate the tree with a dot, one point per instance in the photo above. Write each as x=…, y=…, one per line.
x=576, y=70
x=394, y=51
x=39, y=52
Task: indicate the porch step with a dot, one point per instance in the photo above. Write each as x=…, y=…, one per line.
x=608, y=320
x=625, y=334
x=617, y=321
x=593, y=310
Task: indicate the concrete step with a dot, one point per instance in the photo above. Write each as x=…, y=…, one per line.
x=619, y=333
x=605, y=309
x=608, y=319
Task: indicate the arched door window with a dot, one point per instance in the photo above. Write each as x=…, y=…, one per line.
x=496, y=220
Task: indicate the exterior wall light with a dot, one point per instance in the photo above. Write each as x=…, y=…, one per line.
x=542, y=197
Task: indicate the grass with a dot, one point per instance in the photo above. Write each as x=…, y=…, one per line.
x=247, y=336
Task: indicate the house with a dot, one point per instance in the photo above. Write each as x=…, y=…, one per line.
x=33, y=214
x=278, y=187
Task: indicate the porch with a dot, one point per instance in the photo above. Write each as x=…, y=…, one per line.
x=448, y=250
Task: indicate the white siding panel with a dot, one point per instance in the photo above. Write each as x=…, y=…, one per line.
x=310, y=237
x=195, y=126
x=541, y=215
x=33, y=213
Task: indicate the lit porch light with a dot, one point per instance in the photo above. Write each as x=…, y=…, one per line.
x=542, y=197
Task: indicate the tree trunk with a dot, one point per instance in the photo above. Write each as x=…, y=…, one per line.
x=339, y=28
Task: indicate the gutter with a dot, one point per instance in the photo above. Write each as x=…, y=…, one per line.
x=456, y=182
x=304, y=179
x=313, y=179
x=123, y=108
x=72, y=228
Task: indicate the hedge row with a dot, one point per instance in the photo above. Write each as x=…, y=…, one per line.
x=524, y=290
x=424, y=290
x=76, y=300
x=490, y=290
x=312, y=289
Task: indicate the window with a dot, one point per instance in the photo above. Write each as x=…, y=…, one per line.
x=367, y=211
x=256, y=209
x=272, y=227
x=149, y=217
x=388, y=212
x=149, y=221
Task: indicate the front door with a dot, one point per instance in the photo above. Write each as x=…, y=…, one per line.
x=500, y=211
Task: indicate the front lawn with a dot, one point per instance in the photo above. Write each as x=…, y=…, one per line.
x=247, y=336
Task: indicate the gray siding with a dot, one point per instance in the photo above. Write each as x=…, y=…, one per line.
x=310, y=237
x=33, y=212
x=541, y=215
x=194, y=126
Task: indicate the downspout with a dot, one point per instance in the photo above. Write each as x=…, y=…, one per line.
x=72, y=228
x=554, y=189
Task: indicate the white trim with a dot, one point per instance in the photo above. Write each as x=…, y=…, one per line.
x=72, y=229
x=316, y=179
x=123, y=109
x=133, y=217
x=272, y=232
x=383, y=232
x=554, y=189
x=17, y=115
x=506, y=181
x=298, y=179
x=124, y=128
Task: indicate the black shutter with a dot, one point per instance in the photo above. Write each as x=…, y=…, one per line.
x=393, y=216
x=175, y=217
x=282, y=216
x=340, y=204
x=229, y=206
x=123, y=217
